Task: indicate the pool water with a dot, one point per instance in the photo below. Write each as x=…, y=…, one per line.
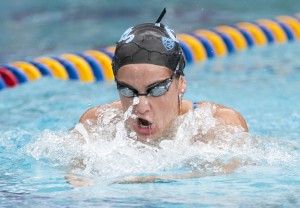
x=37, y=148
x=262, y=83
x=34, y=28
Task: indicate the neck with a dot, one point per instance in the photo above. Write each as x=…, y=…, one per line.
x=186, y=106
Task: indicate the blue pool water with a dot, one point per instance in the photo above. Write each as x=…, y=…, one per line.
x=35, y=119
x=36, y=147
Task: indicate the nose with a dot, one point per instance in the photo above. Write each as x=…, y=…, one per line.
x=143, y=106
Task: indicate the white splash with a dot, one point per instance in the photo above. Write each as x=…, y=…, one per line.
x=80, y=129
x=107, y=149
x=128, y=113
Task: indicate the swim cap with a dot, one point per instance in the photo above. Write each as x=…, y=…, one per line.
x=151, y=43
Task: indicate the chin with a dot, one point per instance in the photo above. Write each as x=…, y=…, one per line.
x=147, y=138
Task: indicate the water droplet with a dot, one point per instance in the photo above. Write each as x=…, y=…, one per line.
x=135, y=101
x=90, y=102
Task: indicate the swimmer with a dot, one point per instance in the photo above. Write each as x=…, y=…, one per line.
x=149, y=73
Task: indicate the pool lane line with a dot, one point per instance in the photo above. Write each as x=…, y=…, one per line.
x=197, y=46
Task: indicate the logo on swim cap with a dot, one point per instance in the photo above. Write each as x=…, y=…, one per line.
x=126, y=36
x=168, y=43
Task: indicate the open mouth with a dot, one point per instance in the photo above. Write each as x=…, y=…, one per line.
x=143, y=123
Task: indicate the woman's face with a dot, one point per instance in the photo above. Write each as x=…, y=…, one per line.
x=153, y=114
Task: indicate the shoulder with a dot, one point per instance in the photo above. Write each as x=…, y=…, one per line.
x=92, y=114
x=226, y=115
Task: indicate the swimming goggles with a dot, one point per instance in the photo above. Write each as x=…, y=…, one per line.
x=156, y=90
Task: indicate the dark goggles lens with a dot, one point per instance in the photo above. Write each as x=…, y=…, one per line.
x=157, y=90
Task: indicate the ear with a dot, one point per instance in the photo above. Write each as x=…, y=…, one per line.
x=182, y=84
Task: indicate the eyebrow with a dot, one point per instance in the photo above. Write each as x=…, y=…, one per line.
x=158, y=82
x=125, y=85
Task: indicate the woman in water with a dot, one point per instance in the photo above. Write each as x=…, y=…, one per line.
x=148, y=67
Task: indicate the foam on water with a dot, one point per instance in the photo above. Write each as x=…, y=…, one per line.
x=107, y=149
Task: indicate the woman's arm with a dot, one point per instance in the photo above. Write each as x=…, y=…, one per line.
x=224, y=169
x=227, y=116
x=91, y=114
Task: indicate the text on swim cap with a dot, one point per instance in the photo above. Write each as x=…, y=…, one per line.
x=126, y=37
